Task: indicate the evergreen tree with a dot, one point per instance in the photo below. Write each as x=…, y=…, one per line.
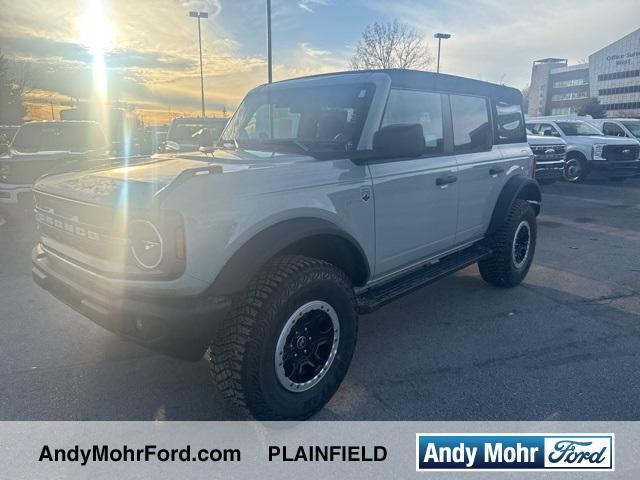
x=593, y=108
x=12, y=109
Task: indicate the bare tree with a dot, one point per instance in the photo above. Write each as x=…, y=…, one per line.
x=391, y=45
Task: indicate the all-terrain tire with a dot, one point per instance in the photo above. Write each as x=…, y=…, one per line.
x=243, y=356
x=509, y=264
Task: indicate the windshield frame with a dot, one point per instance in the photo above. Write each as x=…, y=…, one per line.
x=309, y=146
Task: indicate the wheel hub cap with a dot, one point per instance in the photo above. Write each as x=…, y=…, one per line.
x=307, y=346
x=521, y=244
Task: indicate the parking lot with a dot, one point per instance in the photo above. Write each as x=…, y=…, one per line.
x=563, y=346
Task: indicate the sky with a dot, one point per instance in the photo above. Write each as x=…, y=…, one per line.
x=147, y=50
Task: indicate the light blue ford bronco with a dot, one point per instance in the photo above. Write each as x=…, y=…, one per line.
x=325, y=198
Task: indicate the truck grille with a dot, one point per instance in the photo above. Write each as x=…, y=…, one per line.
x=90, y=229
x=549, y=152
x=620, y=153
x=27, y=171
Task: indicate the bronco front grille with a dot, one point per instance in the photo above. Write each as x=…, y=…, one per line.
x=91, y=229
x=620, y=153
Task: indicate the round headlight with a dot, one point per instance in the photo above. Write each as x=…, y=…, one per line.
x=146, y=244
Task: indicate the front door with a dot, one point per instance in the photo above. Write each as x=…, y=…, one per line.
x=416, y=199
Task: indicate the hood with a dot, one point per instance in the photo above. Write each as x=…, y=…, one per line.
x=54, y=156
x=593, y=139
x=542, y=140
x=138, y=184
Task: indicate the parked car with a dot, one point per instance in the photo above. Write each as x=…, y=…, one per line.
x=42, y=147
x=328, y=197
x=619, y=127
x=589, y=150
x=549, y=154
x=184, y=132
x=7, y=132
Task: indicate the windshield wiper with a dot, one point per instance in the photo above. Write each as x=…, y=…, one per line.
x=235, y=143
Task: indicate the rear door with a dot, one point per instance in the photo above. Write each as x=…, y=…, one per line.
x=480, y=164
x=416, y=199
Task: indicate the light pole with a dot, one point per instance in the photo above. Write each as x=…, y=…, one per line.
x=440, y=36
x=269, y=59
x=200, y=15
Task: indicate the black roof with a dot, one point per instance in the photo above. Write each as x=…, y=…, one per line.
x=416, y=79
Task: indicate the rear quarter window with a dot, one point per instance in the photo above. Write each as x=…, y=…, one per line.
x=509, y=125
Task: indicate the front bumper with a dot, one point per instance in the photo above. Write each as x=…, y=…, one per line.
x=616, y=169
x=180, y=327
x=550, y=170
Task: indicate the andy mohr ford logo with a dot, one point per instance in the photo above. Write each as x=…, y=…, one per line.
x=516, y=452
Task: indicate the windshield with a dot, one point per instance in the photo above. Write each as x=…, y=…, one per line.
x=309, y=118
x=579, y=129
x=186, y=131
x=72, y=137
x=633, y=127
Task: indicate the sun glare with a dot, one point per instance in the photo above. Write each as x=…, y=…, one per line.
x=97, y=34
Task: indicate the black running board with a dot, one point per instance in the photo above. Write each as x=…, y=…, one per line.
x=375, y=297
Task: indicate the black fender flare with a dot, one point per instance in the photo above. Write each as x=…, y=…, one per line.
x=289, y=236
x=516, y=187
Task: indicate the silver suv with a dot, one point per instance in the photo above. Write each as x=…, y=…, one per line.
x=325, y=198
x=589, y=150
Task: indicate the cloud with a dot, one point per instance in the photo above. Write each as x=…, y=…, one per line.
x=492, y=39
x=313, y=52
x=307, y=4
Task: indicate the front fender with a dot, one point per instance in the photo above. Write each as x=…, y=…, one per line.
x=257, y=251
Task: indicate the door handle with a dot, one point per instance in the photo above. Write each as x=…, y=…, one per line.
x=446, y=180
x=496, y=171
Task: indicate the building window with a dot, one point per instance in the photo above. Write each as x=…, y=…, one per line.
x=617, y=75
x=622, y=106
x=619, y=90
x=570, y=83
x=558, y=97
x=563, y=111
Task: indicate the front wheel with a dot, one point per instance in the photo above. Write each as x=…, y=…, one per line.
x=513, y=247
x=575, y=170
x=287, y=343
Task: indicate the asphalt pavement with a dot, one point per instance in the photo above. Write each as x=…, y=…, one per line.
x=563, y=346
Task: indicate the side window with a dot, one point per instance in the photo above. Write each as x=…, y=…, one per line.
x=425, y=108
x=548, y=130
x=471, y=127
x=509, y=123
x=612, y=129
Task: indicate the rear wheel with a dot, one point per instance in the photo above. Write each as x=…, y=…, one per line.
x=575, y=169
x=286, y=345
x=513, y=247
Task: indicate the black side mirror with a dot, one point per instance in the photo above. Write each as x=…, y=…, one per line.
x=4, y=149
x=399, y=140
x=206, y=141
